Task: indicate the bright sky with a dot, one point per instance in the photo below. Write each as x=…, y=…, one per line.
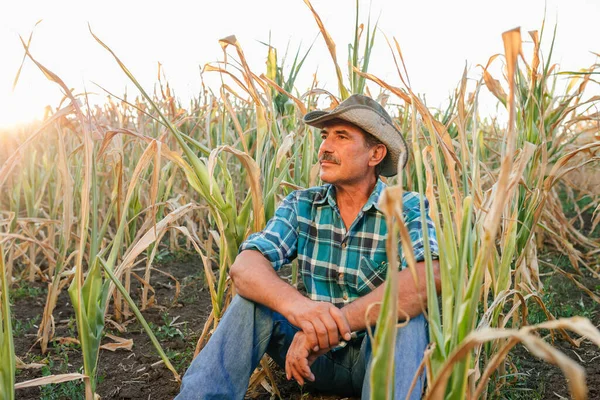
x=438, y=38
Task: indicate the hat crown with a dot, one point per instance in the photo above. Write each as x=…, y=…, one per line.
x=362, y=100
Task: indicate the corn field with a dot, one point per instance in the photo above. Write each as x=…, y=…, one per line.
x=96, y=198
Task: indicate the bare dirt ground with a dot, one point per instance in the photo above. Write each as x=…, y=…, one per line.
x=537, y=379
x=177, y=322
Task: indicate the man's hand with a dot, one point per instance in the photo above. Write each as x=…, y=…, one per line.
x=323, y=324
x=299, y=358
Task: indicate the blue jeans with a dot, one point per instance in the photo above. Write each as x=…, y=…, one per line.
x=249, y=330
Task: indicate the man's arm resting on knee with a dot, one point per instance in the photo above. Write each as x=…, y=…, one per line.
x=412, y=299
x=256, y=280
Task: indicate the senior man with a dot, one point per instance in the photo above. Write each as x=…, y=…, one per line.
x=337, y=232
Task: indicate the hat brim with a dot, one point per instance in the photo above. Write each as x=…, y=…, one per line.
x=373, y=123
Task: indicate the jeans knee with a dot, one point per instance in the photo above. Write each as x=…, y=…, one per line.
x=241, y=302
x=247, y=313
x=242, y=307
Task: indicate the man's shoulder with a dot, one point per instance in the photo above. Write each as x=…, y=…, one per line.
x=412, y=205
x=412, y=199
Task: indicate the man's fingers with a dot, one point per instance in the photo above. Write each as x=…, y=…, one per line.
x=297, y=377
x=332, y=330
x=301, y=370
x=297, y=371
x=291, y=370
x=322, y=335
x=297, y=365
x=324, y=325
x=332, y=333
x=342, y=323
x=311, y=335
x=288, y=370
x=306, y=372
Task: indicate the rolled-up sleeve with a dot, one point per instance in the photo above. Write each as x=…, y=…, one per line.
x=412, y=219
x=278, y=242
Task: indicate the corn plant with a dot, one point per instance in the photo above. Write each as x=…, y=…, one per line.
x=200, y=176
x=382, y=372
x=90, y=295
x=355, y=61
x=7, y=348
x=467, y=250
x=282, y=87
x=356, y=64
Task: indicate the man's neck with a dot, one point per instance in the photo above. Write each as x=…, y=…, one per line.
x=352, y=197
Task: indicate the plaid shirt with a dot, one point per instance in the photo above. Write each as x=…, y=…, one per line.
x=337, y=265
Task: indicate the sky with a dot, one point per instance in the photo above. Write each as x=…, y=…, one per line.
x=438, y=40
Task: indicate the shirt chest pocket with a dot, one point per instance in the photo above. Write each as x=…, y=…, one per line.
x=369, y=275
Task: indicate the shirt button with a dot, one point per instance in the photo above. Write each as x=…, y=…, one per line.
x=341, y=275
x=344, y=245
x=345, y=297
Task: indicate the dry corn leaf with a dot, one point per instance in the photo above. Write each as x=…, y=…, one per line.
x=396, y=90
x=535, y=63
x=119, y=343
x=494, y=86
x=234, y=118
x=149, y=238
x=332, y=51
x=574, y=373
x=299, y=104
x=314, y=91
x=46, y=380
x=232, y=40
x=46, y=328
x=284, y=148
x=21, y=365
x=210, y=68
x=206, y=331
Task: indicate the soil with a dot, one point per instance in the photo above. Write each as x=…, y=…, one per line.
x=122, y=374
x=133, y=374
x=537, y=379
x=125, y=374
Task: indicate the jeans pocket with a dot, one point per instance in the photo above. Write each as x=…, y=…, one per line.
x=369, y=275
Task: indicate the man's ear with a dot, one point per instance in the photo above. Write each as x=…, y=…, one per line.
x=378, y=153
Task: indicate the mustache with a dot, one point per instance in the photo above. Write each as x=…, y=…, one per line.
x=329, y=157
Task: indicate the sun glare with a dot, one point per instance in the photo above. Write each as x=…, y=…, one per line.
x=17, y=110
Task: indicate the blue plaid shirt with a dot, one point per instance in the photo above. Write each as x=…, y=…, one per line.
x=337, y=265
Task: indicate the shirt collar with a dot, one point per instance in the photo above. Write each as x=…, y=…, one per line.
x=372, y=201
x=329, y=196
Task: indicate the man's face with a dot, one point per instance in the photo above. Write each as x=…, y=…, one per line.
x=343, y=155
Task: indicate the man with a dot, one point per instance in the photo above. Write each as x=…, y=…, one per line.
x=337, y=233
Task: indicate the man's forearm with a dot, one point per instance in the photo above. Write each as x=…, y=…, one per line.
x=412, y=299
x=256, y=280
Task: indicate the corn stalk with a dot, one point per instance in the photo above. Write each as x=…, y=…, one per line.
x=7, y=348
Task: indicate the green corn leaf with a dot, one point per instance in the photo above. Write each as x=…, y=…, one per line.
x=7, y=348
x=382, y=364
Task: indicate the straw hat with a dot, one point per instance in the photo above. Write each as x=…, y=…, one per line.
x=367, y=114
